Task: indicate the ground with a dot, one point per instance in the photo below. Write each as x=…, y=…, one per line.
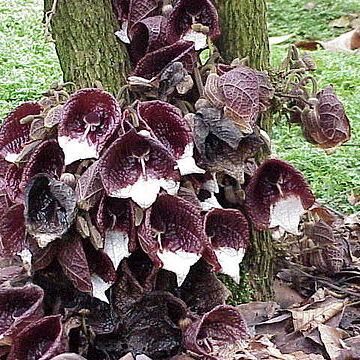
x=29, y=65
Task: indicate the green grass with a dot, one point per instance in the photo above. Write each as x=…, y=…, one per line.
x=28, y=64
x=290, y=16
x=331, y=176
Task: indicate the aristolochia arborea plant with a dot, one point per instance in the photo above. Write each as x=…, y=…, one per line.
x=120, y=212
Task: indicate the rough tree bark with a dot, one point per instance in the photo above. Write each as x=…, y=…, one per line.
x=88, y=51
x=90, y=55
x=244, y=33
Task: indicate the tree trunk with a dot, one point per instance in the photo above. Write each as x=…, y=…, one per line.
x=244, y=33
x=88, y=51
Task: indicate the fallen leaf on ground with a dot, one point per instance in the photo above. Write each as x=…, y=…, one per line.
x=346, y=42
x=273, y=40
x=330, y=337
x=344, y=21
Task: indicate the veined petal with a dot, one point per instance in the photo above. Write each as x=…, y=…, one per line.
x=153, y=63
x=179, y=238
x=19, y=306
x=13, y=134
x=136, y=167
x=277, y=194
x=216, y=331
x=88, y=120
x=229, y=234
x=169, y=127
x=185, y=12
x=41, y=340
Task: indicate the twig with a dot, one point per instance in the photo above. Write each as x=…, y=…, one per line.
x=199, y=82
x=48, y=18
x=333, y=210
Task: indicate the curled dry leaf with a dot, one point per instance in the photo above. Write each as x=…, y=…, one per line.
x=88, y=120
x=308, y=317
x=19, y=307
x=216, y=330
x=50, y=208
x=327, y=124
x=229, y=235
x=179, y=238
x=329, y=251
x=349, y=41
x=169, y=127
x=277, y=195
x=240, y=88
x=14, y=134
x=137, y=166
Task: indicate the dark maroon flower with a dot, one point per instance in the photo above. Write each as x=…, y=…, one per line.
x=47, y=158
x=50, y=208
x=116, y=223
x=326, y=124
x=19, y=306
x=136, y=166
x=88, y=120
x=13, y=134
x=179, y=238
x=277, y=195
x=240, y=88
x=41, y=340
x=229, y=235
x=12, y=231
x=146, y=36
x=130, y=12
x=152, y=64
x=216, y=332
x=187, y=13
x=168, y=125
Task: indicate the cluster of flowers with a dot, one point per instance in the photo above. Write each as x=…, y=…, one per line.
x=121, y=215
